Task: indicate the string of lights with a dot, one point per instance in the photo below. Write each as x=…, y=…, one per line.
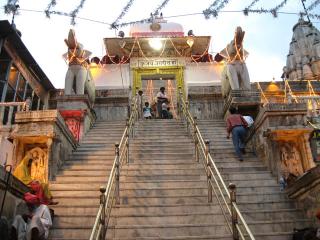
x=274, y=11
x=263, y=95
x=74, y=13
x=48, y=9
x=114, y=25
x=313, y=5
x=11, y=6
x=160, y=7
x=252, y=4
x=125, y=24
x=214, y=12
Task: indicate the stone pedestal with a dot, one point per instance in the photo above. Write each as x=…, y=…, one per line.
x=46, y=136
x=246, y=101
x=77, y=111
x=280, y=138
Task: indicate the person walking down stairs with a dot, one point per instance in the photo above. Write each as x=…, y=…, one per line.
x=236, y=125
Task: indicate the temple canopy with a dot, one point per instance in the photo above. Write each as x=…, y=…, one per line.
x=139, y=47
x=157, y=39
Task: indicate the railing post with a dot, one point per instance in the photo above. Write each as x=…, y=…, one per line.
x=117, y=173
x=179, y=102
x=127, y=144
x=207, y=142
x=186, y=116
x=103, y=213
x=196, y=141
x=133, y=119
x=234, y=217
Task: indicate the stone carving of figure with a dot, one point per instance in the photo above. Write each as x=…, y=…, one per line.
x=77, y=73
x=38, y=167
x=291, y=161
x=235, y=73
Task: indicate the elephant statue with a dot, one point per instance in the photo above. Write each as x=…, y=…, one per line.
x=235, y=74
x=78, y=78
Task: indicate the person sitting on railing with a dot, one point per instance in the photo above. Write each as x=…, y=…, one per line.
x=161, y=98
x=41, y=190
x=237, y=125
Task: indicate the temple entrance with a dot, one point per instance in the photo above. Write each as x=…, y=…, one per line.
x=151, y=86
x=149, y=80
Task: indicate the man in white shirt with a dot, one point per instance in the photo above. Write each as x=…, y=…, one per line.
x=36, y=226
x=161, y=98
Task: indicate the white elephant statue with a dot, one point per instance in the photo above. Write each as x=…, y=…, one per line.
x=235, y=74
x=78, y=78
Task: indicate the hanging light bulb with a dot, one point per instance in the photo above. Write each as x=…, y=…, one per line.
x=155, y=43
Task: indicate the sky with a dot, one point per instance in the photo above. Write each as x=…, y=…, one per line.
x=267, y=38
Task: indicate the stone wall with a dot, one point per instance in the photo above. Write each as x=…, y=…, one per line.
x=112, y=105
x=206, y=102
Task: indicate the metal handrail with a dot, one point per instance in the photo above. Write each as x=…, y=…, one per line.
x=216, y=183
x=110, y=192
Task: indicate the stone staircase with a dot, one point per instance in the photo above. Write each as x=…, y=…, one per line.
x=163, y=191
x=76, y=187
x=267, y=210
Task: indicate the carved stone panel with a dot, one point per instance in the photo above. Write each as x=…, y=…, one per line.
x=291, y=159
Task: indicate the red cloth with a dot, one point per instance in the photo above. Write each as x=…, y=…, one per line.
x=235, y=120
x=31, y=198
x=37, y=190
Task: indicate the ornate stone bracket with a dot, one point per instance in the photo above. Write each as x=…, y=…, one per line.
x=73, y=119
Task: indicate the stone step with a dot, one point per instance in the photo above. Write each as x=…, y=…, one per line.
x=82, y=232
x=155, y=154
x=84, y=166
x=102, y=180
x=267, y=205
x=85, y=173
x=167, y=230
x=124, y=210
x=246, y=176
x=97, y=157
x=163, y=165
x=242, y=197
x=189, y=218
x=277, y=214
x=163, y=144
x=244, y=169
x=162, y=184
x=91, y=162
x=278, y=225
x=162, y=177
x=79, y=211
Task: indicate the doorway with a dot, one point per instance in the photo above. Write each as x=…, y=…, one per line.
x=149, y=80
x=151, y=86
